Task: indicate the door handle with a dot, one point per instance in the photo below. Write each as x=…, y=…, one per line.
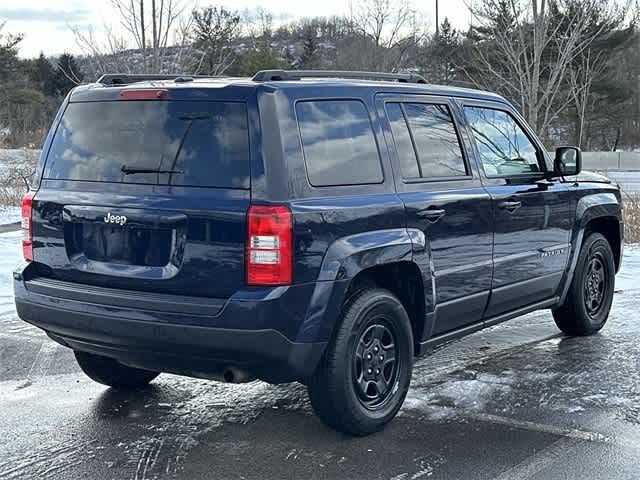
x=432, y=214
x=510, y=205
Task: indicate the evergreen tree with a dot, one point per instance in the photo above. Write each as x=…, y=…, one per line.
x=214, y=32
x=309, y=57
x=9, y=63
x=258, y=59
x=42, y=75
x=446, y=47
x=67, y=74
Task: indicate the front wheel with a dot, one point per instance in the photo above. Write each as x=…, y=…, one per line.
x=586, y=307
x=364, y=375
x=110, y=372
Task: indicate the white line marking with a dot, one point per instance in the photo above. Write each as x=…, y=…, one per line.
x=43, y=361
x=540, y=460
x=540, y=427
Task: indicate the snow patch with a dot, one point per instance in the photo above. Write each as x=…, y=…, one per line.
x=439, y=401
x=629, y=277
x=10, y=256
x=9, y=215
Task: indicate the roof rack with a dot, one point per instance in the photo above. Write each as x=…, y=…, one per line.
x=127, y=78
x=284, y=75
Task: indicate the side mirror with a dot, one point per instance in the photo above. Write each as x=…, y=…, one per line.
x=568, y=161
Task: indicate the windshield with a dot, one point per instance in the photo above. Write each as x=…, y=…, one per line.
x=162, y=143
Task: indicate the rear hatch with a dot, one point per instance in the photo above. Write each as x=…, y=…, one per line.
x=146, y=195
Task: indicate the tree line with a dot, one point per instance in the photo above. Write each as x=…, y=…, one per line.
x=572, y=67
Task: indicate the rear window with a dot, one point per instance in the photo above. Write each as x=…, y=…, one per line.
x=338, y=143
x=163, y=143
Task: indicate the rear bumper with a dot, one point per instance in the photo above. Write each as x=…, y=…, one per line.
x=102, y=322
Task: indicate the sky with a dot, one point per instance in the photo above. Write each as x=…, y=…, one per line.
x=45, y=23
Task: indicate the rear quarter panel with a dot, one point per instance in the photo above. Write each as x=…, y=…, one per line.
x=322, y=215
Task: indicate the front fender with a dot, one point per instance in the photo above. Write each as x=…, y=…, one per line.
x=588, y=208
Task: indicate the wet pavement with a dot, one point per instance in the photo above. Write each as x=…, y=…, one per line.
x=517, y=401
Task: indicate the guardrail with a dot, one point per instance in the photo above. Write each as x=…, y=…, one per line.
x=601, y=161
x=606, y=161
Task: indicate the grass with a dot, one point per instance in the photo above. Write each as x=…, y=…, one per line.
x=15, y=173
x=631, y=217
x=13, y=185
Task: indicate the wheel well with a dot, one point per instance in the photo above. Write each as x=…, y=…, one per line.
x=404, y=280
x=610, y=228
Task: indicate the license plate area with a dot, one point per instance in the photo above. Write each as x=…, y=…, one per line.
x=123, y=244
x=149, y=244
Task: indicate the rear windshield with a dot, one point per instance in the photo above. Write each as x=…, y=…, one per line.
x=154, y=142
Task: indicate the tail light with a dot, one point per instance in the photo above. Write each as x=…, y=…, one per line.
x=27, y=226
x=269, y=248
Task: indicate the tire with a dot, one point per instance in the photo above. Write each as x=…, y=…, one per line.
x=110, y=372
x=353, y=390
x=586, y=307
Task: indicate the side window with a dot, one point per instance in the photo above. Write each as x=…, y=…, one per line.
x=426, y=140
x=504, y=148
x=338, y=143
x=402, y=139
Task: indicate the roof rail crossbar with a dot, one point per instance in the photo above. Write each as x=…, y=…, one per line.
x=127, y=78
x=283, y=75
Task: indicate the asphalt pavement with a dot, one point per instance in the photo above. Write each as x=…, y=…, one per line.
x=518, y=401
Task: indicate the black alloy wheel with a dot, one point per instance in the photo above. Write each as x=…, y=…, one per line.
x=595, y=284
x=364, y=376
x=588, y=302
x=375, y=372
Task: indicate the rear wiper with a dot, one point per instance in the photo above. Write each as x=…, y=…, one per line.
x=129, y=170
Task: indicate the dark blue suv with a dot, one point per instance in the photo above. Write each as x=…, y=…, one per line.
x=320, y=227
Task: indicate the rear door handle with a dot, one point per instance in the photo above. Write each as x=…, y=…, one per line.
x=510, y=205
x=432, y=214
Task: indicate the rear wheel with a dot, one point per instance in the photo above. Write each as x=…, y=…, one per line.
x=364, y=376
x=110, y=372
x=586, y=308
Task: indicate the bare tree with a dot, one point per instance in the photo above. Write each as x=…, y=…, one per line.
x=151, y=26
x=389, y=30
x=581, y=77
x=526, y=55
x=137, y=17
x=183, y=59
x=102, y=53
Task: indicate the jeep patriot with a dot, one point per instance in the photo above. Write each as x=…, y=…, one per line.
x=319, y=227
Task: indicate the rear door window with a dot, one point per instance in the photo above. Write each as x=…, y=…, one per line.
x=202, y=144
x=338, y=143
x=404, y=144
x=426, y=140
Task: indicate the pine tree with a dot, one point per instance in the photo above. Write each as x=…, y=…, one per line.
x=441, y=55
x=446, y=46
x=67, y=74
x=42, y=75
x=308, y=59
x=9, y=62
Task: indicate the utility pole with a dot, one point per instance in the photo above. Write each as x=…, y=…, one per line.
x=437, y=21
